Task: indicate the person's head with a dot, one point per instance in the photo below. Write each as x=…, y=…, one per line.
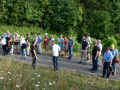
x=28, y=34
x=61, y=36
x=15, y=35
x=70, y=37
x=8, y=31
x=99, y=41
x=88, y=35
x=8, y=35
x=4, y=33
x=95, y=43
x=38, y=34
x=84, y=38
x=65, y=38
x=107, y=49
x=35, y=35
x=53, y=42
x=112, y=46
x=2, y=37
x=46, y=34
x=34, y=42
x=15, y=32
x=51, y=36
x=21, y=35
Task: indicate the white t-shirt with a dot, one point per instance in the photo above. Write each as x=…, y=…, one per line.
x=22, y=41
x=100, y=46
x=51, y=41
x=55, y=49
x=88, y=41
x=17, y=35
x=3, y=41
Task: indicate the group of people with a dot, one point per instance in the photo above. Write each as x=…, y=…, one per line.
x=110, y=55
x=9, y=43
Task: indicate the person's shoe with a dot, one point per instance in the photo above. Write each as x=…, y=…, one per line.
x=88, y=60
x=69, y=58
x=91, y=69
x=84, y=63
x=93, y=72
x=62, y=55
x=59, y=54
x=40, y=53
x=102, y=76
x=79, y=62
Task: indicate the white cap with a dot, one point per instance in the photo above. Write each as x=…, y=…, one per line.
x=46, y=34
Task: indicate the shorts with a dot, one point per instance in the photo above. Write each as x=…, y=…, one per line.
x=62, y=48
x=46, y=47
x=66, y=47
x=88, y=50
x=16, y=46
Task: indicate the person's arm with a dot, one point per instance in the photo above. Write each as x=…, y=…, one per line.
x=59, y=41
x=96, y=55
x=35, y=54
x=72, y=45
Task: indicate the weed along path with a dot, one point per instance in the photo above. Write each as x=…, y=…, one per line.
x=71, y=65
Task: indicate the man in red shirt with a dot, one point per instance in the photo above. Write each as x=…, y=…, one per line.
x=46, y=43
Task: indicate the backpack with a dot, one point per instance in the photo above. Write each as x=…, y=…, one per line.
x=24, y=45
x=117, y=59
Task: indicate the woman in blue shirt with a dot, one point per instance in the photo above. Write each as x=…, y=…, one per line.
x=115, y=54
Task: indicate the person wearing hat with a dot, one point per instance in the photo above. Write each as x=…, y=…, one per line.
x=46, y=43
x=16, y=43
x=39, y=41
x=115, y=54
x=107, y=62
x=84, y=51
x=60, y=43
x=95, y=53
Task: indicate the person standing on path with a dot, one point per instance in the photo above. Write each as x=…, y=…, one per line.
x=28, y=44
x=46, y=43
x=23, y=46
x=8, y=33
x=36, y=39
x=89, y=42
x=4, y=35
x=115, y=54
x=107, y=62
x=100, y=48
x=51, y=36
x=10, y=46
x=7, y=40
x=3, y=42
x=55, y=50
x=16, y=43
x=70, y=47
x=39, y=43
x=15, y=33
x=66, y=46
x=84, y=51
x=34, y=55
x=60, y=43
x=95, y=53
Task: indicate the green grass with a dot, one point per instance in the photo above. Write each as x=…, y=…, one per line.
x=26, y=78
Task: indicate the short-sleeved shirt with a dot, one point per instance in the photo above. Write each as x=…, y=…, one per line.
x=70, y=43
x=108, y=56
x=88, y=40
x=94, y=50
x=7, y=39
x=39, y=39
x=100, y=46
x=114, y=53
x=16, y=39
x=32, y=48
x=47, y=41
x=84, y=45
x=27, y=38
x=5, y=36
x=61, y=44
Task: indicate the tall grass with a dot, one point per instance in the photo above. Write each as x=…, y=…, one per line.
x=15, y=75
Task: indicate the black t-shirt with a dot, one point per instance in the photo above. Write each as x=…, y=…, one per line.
x=32, y=48
x=84, y=45
x=27, y=38
x=94, y=50
x=7, y=39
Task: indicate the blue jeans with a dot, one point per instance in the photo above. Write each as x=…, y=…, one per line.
x=114, y=64
x=106, y=66
x=23, y=52
x=95, y=63
x=55, y=62
x=70, y=51
x=34, y=62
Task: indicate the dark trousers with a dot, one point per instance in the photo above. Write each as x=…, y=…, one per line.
x=55, y=62
x=4, y=49
x=95, y=63
x=106, y=66
x=34, y=62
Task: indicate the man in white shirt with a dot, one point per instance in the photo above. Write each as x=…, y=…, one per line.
x=3, y=42
x=55, y=53
x=88, y=49
x=100, y=48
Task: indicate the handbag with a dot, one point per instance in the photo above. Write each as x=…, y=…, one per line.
x=111, y=70
x=117, y=59
x=24, y=45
